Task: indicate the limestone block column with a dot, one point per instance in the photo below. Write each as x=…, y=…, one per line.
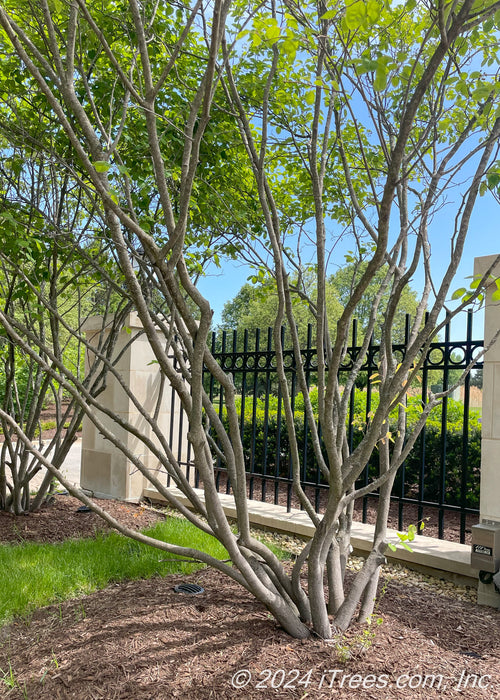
x=490, y=442
x=105, y=471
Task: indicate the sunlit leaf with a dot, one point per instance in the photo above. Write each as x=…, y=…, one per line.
x=355, y=15
x=101, y=166
x=310, y=97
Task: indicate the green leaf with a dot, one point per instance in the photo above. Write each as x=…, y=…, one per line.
x=458, y=293
x=365, y=65
x=381, y=72
x=273, y=33
x=392, y=547
x=482, y=92
x=380, y=82
x=101, y=166
x=493, y=179
x=290, y=48
x=496, y=295
x=488, y=25
x=373, y=10
x=56, y=5
x=310, y=97
x=256, y=40
x=407, y=547
x=355, y=15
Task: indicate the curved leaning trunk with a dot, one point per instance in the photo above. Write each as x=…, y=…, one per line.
x=245, y=129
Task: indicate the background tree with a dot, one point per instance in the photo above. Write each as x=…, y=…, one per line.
x=345, y=280
x=354, y=123
x=477, y=378
x=256, y=304
x=48, y=287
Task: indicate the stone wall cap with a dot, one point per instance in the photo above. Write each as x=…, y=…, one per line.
x=98, y=323
x=482, y=263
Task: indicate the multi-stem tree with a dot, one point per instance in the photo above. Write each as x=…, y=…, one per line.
x=355, y=120
x=49, y=288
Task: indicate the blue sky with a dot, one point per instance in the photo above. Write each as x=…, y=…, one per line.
x=483, y=238
x=221, y=285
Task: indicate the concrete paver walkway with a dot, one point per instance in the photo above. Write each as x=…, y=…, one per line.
x=71, y=466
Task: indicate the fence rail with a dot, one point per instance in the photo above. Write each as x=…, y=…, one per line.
x=438, y=483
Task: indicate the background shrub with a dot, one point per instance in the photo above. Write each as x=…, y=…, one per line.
x=266, y=446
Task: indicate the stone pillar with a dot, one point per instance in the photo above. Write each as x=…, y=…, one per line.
x=105, y=471
x=490, y=443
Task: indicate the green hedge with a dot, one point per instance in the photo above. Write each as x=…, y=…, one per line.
x=267, y=449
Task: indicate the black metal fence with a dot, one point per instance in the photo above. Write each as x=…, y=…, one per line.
x=439, y=482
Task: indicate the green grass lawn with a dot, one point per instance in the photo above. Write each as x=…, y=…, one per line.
x=33, y=575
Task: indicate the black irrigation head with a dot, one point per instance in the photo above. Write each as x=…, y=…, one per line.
x=189, y=588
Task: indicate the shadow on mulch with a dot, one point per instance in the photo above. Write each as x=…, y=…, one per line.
x=62, y=519
x=141, y=640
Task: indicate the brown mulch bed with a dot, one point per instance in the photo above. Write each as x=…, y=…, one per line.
x=140, y=640
x=62, y=519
